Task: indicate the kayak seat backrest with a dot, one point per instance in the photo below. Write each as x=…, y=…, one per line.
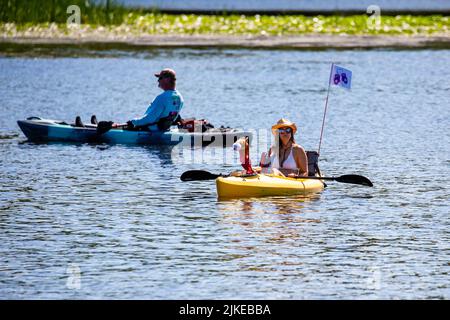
x=313, y=163
x=165, y=122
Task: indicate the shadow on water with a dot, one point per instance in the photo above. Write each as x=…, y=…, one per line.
x=7, y=136
x=164, y=153
x=168, y=154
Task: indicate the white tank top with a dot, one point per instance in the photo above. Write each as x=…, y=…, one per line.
x=289, y=163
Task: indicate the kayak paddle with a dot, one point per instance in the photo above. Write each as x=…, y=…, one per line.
x=346, y=178
x=194, y=175
x=105, y=126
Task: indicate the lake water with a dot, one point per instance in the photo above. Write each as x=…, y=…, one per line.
x=94, y=221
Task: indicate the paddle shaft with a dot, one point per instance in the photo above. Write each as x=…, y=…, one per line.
x=346, y=178
x=105, y=126
x=197, y=175
x=318, y=178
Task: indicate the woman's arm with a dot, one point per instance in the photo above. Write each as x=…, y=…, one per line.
x=301, y=160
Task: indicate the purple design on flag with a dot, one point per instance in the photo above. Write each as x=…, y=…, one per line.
x=341, y=77
x=344, y=78
x=336, y=79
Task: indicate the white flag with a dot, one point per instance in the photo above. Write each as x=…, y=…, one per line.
x=341, y=77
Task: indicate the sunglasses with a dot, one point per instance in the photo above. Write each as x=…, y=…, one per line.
x=285, y=130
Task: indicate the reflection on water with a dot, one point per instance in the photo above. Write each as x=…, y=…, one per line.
x=260, y=228
x=272, y=217
x=281, y=205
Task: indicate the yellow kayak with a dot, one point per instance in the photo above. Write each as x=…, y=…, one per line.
x=265, y=185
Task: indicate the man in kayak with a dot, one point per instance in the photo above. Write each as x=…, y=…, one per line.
x=164, y=109
x=286, y=157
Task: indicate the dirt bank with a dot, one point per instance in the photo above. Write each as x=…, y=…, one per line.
x=300, y=42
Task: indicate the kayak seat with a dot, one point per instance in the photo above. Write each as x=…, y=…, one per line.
x=313, y=163
x=163, y=123
x=166, y=122
x=78, y=122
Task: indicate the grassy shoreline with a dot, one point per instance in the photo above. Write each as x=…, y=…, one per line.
x=138, y=24
x=47, y=17
x=45, y=23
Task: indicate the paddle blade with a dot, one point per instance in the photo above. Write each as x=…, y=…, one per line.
x=354, y=179
x=194, y=175
x=104, y=126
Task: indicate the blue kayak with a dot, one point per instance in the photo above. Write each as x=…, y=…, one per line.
x=42, y=130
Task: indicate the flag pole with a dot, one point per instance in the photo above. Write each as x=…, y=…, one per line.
x=326, y=106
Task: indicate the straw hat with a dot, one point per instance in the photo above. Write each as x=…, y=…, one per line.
x=282, y=123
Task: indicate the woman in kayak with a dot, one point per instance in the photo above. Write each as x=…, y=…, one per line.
x=286, y=157
x=164, y=109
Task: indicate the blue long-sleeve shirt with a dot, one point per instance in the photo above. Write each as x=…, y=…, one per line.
x=165, y=103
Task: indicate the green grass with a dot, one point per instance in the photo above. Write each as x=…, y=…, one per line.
x=154, y=23
x=109, y=16
x=41, y=11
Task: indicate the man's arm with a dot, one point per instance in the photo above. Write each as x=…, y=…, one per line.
x=152, y=114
